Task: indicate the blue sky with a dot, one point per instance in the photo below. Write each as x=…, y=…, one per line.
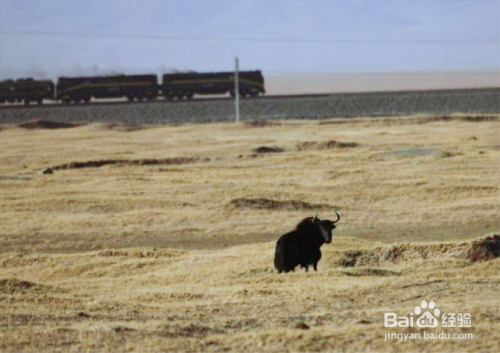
x=51, y=38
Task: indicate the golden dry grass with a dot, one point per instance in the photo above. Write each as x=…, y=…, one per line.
x=178, y=257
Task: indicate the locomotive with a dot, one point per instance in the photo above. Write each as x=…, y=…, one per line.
x=82, y=89
x=135, y=88
x=185, y=85
x=26, y=90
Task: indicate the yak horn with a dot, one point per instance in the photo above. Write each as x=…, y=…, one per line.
x=338, y=217
x=315, y=217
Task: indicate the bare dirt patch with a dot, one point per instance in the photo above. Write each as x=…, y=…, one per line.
x=123, y=127
x=370, y=271
x=138, y=253
x=261, y=123
x=47, y=124
x=414, y=119
x=268, y=149
x=324, y=145
x=191, y=330
x=409, y=152
x=130, y=162
x=469, y=118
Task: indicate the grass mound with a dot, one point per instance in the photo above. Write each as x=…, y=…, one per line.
x=324, y=145
x=482, y=249
x=123, y=162
x=14, y=285
x=268, y=204
x=47, y=124
x=123, y=127
x=468, y=118
x=268, y=149
x=191, y=330
x=414, y=119
x=261, y=123
x=138, y=253
x=370, y=271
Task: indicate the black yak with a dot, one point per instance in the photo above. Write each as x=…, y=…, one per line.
x=301, y=246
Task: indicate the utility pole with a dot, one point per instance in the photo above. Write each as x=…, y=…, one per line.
x=237, y=92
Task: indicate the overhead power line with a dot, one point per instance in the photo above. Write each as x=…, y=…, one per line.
x=250, y=39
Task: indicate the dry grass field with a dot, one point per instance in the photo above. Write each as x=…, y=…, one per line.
x=162, y=238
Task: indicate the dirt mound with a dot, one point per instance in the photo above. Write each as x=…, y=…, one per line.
x=124, y=329
x=46, y=171
x=47, y=124
x=324, y=145
x=369, y=271
x=268, y=149
x=261, y=123
x=400, y=120
x=191, y=330
x=482, y=249
x=268, y=204
x=13, y=285
x=123, y=127
x=408, y=152
x=147, y=253
x=123, y=162
x=470, y=118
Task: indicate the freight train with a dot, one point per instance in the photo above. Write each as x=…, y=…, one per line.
x=177, y=86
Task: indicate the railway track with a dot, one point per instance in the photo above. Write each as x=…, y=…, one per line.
x=159, y=101
x=311, y=106
x=227, y=98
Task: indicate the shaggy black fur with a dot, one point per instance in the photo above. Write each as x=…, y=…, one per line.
x=302, y=245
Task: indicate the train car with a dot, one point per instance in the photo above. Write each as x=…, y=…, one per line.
x=82, y=89
x=26, y=90
x=186, y=85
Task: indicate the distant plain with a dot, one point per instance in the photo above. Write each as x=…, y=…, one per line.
x=298, y=83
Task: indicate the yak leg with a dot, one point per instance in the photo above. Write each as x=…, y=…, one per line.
x=315, y=266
